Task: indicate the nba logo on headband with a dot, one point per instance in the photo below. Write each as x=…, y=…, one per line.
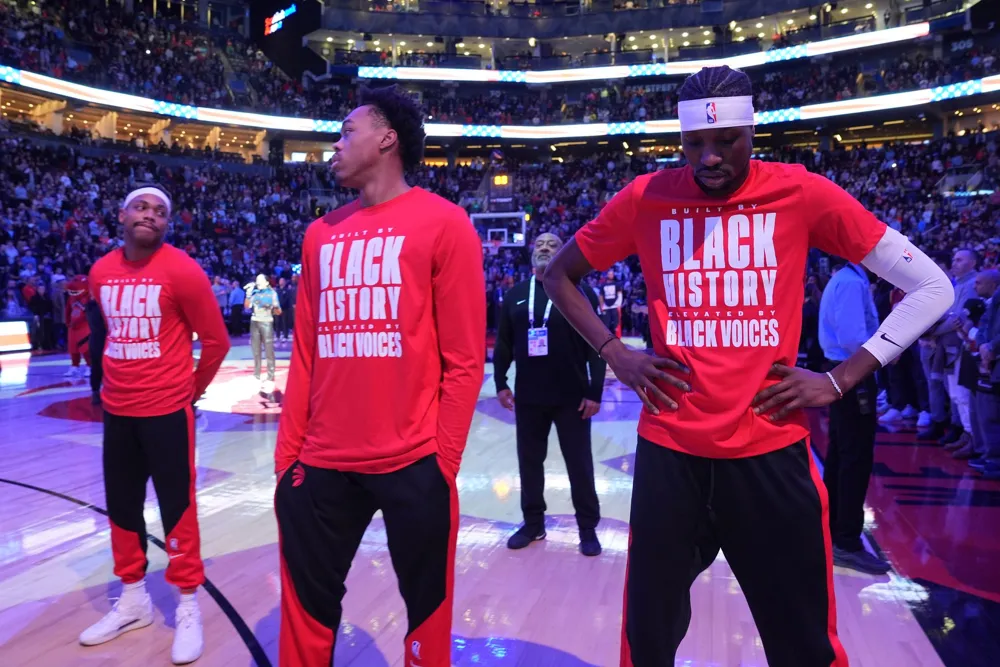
x=715, y=113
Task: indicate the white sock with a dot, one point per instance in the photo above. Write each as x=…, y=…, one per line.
x=137, y=587
x=187, y=598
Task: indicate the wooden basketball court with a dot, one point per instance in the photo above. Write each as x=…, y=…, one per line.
x=544, y=606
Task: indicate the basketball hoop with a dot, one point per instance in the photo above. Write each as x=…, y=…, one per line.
x=493, y=248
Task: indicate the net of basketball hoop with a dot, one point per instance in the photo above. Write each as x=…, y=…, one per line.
x=493, y=248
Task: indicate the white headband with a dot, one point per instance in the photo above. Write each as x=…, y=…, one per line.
x=713, y=112
x=156, y=192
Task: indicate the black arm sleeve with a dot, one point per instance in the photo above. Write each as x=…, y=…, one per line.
x=598, y=367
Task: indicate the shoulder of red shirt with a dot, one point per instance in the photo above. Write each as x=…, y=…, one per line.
x=104, y=262
x=336, y=215
x=424, y=197
x=668, y=183
x=448, y=212
x=781, y=169
x=181, y=263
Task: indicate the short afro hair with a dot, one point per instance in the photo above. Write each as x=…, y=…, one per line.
x=397, y=108
x=722, y=81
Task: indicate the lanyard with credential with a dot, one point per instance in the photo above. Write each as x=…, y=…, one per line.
x=531, y=307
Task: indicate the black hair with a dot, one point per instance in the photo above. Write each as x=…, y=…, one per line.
x=837, y=262
x=976, y=308
x=722, y=81
x=397, y=108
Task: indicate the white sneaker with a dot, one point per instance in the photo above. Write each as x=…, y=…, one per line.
x=73, y=372
x=890, y=417
x=924, y=420
x=133, y=610
x=188, y=640
x=86, y=371
x=909, y=412
x=883, y=396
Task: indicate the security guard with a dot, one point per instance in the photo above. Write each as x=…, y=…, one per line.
x=560, y=380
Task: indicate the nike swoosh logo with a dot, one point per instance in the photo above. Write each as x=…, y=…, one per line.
x=520, y=302
x=889, y=340
x=132, y=622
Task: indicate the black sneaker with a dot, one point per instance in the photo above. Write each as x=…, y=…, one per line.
x=990, y=473
x=525, y=535
x=862, y=561
x=989, y=468
x=953, y=434
x=933, y=432
x=589, y=544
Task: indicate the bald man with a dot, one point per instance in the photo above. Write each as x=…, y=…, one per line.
x=559, y=380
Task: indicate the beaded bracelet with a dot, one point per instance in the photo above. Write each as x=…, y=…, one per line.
x=835, y=385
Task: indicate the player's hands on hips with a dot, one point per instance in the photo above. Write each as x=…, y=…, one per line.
x=637, y=370
x=798, y=388
x=506, y=398
x=588, y=408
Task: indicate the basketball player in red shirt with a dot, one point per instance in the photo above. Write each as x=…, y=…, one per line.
x=722, y=460
x=153, y=298
x=387, y=366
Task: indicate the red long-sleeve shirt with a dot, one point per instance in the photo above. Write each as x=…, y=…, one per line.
x=390, y=338
x=151, y=308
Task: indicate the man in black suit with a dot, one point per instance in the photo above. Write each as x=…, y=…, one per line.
x=987, y=395
x=560, y=380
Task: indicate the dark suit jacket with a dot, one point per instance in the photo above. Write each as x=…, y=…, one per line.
x=989, y=332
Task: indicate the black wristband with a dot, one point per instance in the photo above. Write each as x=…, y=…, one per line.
x=600, y=350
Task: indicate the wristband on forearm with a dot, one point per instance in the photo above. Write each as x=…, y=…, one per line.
x=600, y=350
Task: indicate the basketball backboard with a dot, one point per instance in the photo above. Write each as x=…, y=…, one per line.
x=510, y=229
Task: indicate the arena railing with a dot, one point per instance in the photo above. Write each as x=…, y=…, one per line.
x=515, y=8
x=66, y=89
x=825, y=47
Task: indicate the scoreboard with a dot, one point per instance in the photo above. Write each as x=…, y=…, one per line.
x=501, y=191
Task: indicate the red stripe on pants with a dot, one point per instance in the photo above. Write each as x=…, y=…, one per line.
x=302, y=640
x=626, y=653
x=429, y=645
x=831, y=628
x=130, y=559
x=185, y=568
